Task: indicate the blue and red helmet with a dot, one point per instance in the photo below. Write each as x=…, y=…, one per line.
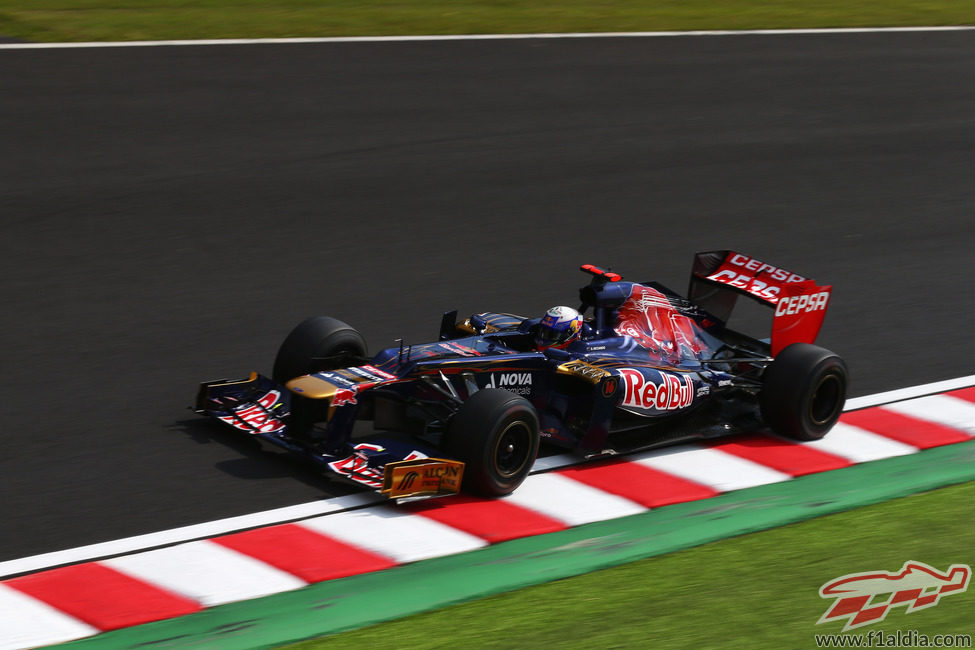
x=559, y=327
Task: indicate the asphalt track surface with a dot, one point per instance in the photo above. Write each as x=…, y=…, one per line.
x=169, y=214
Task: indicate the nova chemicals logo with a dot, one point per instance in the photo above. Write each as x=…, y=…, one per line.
x=865, y=598
x=407, y=481
x=519, y=383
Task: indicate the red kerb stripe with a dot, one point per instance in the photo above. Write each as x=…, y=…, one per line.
x=644, y=485
x=967, y=394
x=311, y=556
x=494, y=520
x=103, y=597
x=782, y=455
x=904, y=428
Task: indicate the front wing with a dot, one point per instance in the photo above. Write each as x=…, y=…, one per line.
x=260, y=407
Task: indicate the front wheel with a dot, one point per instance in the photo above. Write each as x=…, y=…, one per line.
x=495, y=434
x=317, y=343
x=803, y=392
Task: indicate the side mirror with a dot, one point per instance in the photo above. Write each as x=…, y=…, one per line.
x=448, y=325
x=556, y=354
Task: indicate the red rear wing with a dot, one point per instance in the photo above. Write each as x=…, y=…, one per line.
x=718, y=277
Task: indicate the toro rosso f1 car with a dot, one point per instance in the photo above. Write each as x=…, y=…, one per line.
x=636, y=366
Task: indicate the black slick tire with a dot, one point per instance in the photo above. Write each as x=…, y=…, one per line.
x=495, y=433
x=803, y=391
x=317, y=343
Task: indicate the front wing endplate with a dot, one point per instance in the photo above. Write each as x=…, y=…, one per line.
x=422, y=477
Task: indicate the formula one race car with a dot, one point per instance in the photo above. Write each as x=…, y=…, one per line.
x=636, y=366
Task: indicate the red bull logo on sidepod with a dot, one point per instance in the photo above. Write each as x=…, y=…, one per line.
x=916, y=586
x=669, y=394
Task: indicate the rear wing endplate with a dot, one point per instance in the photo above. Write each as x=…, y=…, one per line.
x=719, y=277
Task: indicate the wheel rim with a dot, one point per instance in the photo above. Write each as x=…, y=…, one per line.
x=513, y=449
x=825, y=403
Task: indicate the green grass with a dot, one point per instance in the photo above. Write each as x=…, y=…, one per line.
x=94, y=20
x=754, y=591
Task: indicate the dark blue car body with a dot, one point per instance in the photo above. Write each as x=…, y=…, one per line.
x=651, y=368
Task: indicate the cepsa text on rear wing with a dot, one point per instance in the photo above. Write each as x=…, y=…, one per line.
x=719, y=277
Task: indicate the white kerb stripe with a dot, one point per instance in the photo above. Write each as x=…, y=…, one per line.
x=570, y=501
x=400, y=536
x=712, y=467
x=207, y=572
x=859, y=445
x=943, y=409
x=28, y=622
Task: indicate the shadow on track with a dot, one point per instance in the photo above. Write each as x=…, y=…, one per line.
x=257, y=463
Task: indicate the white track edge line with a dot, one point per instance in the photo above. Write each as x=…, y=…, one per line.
x=910, y=392
x=485, y=37
x=339, y=504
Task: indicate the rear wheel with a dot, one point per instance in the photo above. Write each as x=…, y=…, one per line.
x=318, y=343
x=495, y=433
x=803, y=391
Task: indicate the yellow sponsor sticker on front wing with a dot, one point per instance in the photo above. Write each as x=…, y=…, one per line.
x=422, y=476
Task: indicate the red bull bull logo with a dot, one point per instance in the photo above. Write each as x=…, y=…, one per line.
x=865, y=598
x=343, y=396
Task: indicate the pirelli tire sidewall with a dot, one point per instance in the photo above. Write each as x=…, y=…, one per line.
x=803, y=391
x=495, y=434
x=312, y=339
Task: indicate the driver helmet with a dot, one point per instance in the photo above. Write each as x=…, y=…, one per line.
x=558, y=328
